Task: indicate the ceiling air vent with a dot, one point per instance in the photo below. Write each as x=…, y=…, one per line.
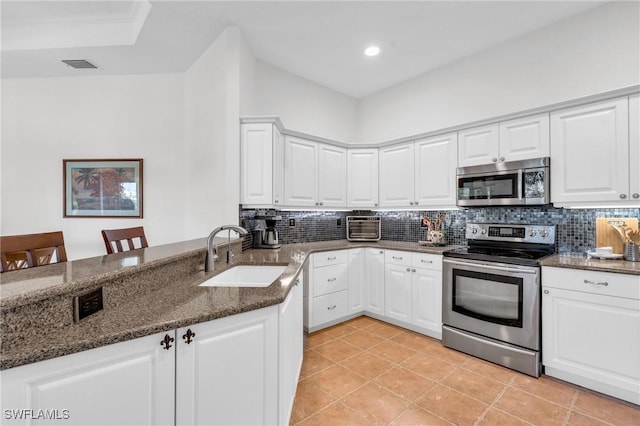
x=79, y=63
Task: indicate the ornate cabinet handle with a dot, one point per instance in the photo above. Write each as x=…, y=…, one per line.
x=187, y=337
x=166, y=341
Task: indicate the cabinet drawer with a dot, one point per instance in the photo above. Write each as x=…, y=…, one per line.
x=329, y=279
x=329, y=258
x=605, y=283
x=395, y=257
x=330, y=307
x=427, y=261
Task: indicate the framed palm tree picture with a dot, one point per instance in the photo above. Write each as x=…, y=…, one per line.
x=102, y=188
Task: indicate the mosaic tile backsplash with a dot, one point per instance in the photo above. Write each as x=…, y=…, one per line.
x=575, y=232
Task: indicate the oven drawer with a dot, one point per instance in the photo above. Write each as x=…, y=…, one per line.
x=596, y=282
x=395, y=257
x=329, y=258
x=426, y=261
x=330, y=307
x=329, y=279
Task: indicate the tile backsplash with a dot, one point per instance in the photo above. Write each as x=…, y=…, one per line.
x=575, y=233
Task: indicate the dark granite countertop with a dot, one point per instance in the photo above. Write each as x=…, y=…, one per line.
x=581, y=261
x=178, y=303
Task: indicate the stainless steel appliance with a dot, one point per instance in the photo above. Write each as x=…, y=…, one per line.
x=513, y=183
x=363, y=228
x=267, y=236
x=491, y=294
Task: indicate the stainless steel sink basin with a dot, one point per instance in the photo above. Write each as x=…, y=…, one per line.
x=246, y=276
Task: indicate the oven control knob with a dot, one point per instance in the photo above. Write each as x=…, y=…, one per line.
x=532, y=233
x=484, y=231
x=544, y=233
x=474, y=231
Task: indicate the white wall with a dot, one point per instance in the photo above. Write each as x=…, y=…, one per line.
x=594, y=52
x=47, y=120
x=302, y=105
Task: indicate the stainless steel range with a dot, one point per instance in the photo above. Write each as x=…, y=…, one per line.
x=491, y=294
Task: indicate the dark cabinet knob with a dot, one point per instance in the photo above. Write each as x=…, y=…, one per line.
x=188, y=336
x=166, y=342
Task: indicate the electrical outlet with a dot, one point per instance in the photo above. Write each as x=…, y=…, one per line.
x=292, y=222
x=87, y=304
x=339, y=221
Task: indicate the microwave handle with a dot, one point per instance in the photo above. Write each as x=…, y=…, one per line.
x=520, y=184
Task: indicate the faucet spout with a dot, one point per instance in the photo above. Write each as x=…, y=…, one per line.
x=212, y=251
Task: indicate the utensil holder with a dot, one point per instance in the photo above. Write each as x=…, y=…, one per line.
x=631, y=252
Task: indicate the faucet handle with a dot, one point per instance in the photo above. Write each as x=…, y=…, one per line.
x=230, y=255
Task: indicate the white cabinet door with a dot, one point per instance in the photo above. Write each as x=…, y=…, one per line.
x=524, y=138
x=125, y=383
x=300, y=172
x=332, y=176
x=397, y=176
x=228, y=374
x=634, y=148
x=590, y=153
x=278, y=167
x=256, y=153
x=374, y=277
x=592, y=340
x=362, y=178
x=397, y=292
x=290, y=338
x=479, y=145
x=427, y=300
x=435, y=171
x=357, y=281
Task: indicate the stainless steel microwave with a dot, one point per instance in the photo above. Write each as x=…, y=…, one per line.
x=363, y=228
x=513, y=183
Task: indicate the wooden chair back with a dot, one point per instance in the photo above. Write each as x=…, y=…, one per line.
x=31, y=250
x=117, y=236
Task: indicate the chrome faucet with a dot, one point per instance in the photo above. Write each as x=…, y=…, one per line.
x=212, y=251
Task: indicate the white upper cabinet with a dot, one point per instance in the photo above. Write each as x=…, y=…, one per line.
x=397, y=176
x=634, y=148
x=435, y=171
x=314, y=174
x=518, y=139
x=524, y=138
x=300, y=172
x=256, y=146
x=590, y=154
x=362, y=177
x=332, y=176
x=478, y=146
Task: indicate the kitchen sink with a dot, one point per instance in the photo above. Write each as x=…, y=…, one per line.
x=246, y=276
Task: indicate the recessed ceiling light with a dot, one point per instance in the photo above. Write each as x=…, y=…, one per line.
x=372, y=51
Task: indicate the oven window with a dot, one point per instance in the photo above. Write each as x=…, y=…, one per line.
x=488, y=187
x=489, y=297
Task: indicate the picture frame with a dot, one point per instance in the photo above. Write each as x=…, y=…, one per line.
x=102, y=188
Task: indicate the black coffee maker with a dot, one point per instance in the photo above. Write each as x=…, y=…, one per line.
x=267, y=237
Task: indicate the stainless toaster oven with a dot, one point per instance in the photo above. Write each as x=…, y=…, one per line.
x=363, y=228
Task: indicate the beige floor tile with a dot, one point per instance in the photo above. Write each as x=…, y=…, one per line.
x=414, y=416
x=378, y=401
x=431, y=368
x=337, y=350
x=547, y=388
x=339, y=414
x=384, y=330
x=362, y=339
x=531, y=408
x=488, y=369
x=362, y=322
x=577, y=419
x=309, y=400
x=436, y=350
x=495, y=417
x=318, y=338
x=413, y=340
x=367, y=364
x=340, y=330
x=392, y=351
x=607, y=409
x=337, y=381
x=452, y=405
x=406, y=384
x=312, y=363
x=474, y=385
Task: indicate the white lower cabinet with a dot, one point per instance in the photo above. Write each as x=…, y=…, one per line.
x=237, y=370
x=591, y=330
x=128, y=383
x=426, y=291
x=357, y=283
x=327, y=291
x=397, y=285
x=374, y=279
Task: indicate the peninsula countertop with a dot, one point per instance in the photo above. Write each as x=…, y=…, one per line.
x=175, y=303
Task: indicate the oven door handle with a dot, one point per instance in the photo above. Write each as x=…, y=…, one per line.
x=493, y=268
